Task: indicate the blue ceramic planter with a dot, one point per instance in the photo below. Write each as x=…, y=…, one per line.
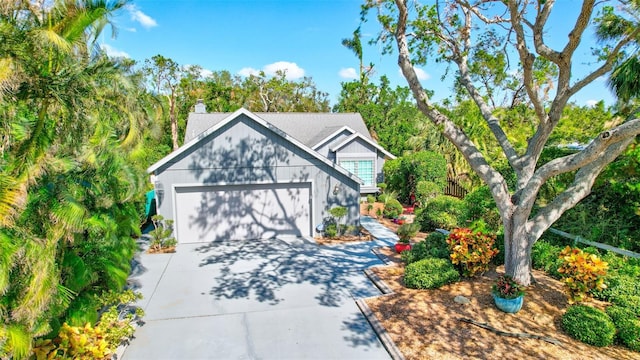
x=508, y=305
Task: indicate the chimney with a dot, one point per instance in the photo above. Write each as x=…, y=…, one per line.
x=200, y=107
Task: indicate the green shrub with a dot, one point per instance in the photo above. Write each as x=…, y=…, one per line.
x=499, y=258
x=430, y=273
x=434, y=246
x=441, y=212
x=427, y=190
x=338, y=212
x=589, y=325
x=161, y=234
x=622, y=290
x=392, y=209
x=546, y=257
x=628, y=326
x=405, y=173
x=331, y=230
x=371, y=199
x=407, y=231
x=479, y=205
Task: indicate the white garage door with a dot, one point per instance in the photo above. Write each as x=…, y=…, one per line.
x=210, y=213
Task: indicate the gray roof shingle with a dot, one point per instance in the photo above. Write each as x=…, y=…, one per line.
x=308, y=128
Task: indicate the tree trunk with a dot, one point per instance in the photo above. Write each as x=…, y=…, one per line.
x=173, y=121
x=517, y=249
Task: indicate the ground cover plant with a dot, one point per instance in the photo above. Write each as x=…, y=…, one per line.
x=589, y=325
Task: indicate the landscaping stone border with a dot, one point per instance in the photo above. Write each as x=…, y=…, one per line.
x=382, y=333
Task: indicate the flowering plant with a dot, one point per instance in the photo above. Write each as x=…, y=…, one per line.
x=507, y=288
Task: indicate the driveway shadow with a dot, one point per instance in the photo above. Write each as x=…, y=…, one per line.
x=263, y=268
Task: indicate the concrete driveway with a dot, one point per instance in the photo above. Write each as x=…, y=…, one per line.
x=267, y=299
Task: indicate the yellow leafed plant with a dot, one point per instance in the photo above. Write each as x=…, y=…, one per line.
x=582, y=272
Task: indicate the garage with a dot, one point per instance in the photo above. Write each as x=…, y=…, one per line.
x=246, y=211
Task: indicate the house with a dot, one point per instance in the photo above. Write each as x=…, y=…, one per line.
x=258, y=175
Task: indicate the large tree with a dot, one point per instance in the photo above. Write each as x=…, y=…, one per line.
x=451, y=31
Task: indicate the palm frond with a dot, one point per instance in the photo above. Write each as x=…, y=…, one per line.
x=40, y=284
x=18, y=341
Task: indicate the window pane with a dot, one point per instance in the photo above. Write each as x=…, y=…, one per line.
x=365, y=172
x=349, y=165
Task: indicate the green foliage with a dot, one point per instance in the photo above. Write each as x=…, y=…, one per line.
x=405, y=173
x=392, y=209
x=331, y=230
x=442, y=212
x=93, y=342
x=371, y=199
x=338, y=212
x=582, y=273
x=426, y=190
x=623, y=290
x=407, y=231
x=434, y=246
x=71, y=170
x=388, y=112
x=628, y=326
x=430, y=273
x=546, y=257
x=609, y=214
x=589, y=325
x=161, y=234
x=479, y=205
x=472, y=251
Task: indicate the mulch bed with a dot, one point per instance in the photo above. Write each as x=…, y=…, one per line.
x=425, y=324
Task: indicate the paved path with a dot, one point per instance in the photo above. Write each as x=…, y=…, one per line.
x=268, y=299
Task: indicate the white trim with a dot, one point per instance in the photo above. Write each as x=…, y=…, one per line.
x=370, y=142
x=174, y=193
x=259, y=120
x=335, y=133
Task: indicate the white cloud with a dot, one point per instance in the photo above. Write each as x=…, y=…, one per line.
x=113, y=52
x=292, y=70
x=205, y=73
x=592, y=103
x=421, y=74
x=248, y=71
x=137, y=15
x=348, y=73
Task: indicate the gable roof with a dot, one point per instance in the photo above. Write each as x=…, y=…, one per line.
x=368, y=141
x=230, y=117
x=308, y=128
x=329, y=133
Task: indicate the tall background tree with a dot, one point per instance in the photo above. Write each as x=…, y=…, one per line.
x=449, y=31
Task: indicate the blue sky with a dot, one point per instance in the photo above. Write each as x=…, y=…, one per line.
x=301, y=36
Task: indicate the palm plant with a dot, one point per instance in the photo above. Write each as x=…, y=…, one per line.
x=68, y=179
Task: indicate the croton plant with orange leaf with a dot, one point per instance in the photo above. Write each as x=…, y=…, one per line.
x=471, y=250
x=581, y=272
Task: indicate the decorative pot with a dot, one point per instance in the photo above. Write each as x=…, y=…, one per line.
x=508, y=305
x=400, y=247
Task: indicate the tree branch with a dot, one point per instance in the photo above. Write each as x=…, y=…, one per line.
x=544, y=11
x=590, y=162
x=578, y=190
x=527, y=59
x=452, y=132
